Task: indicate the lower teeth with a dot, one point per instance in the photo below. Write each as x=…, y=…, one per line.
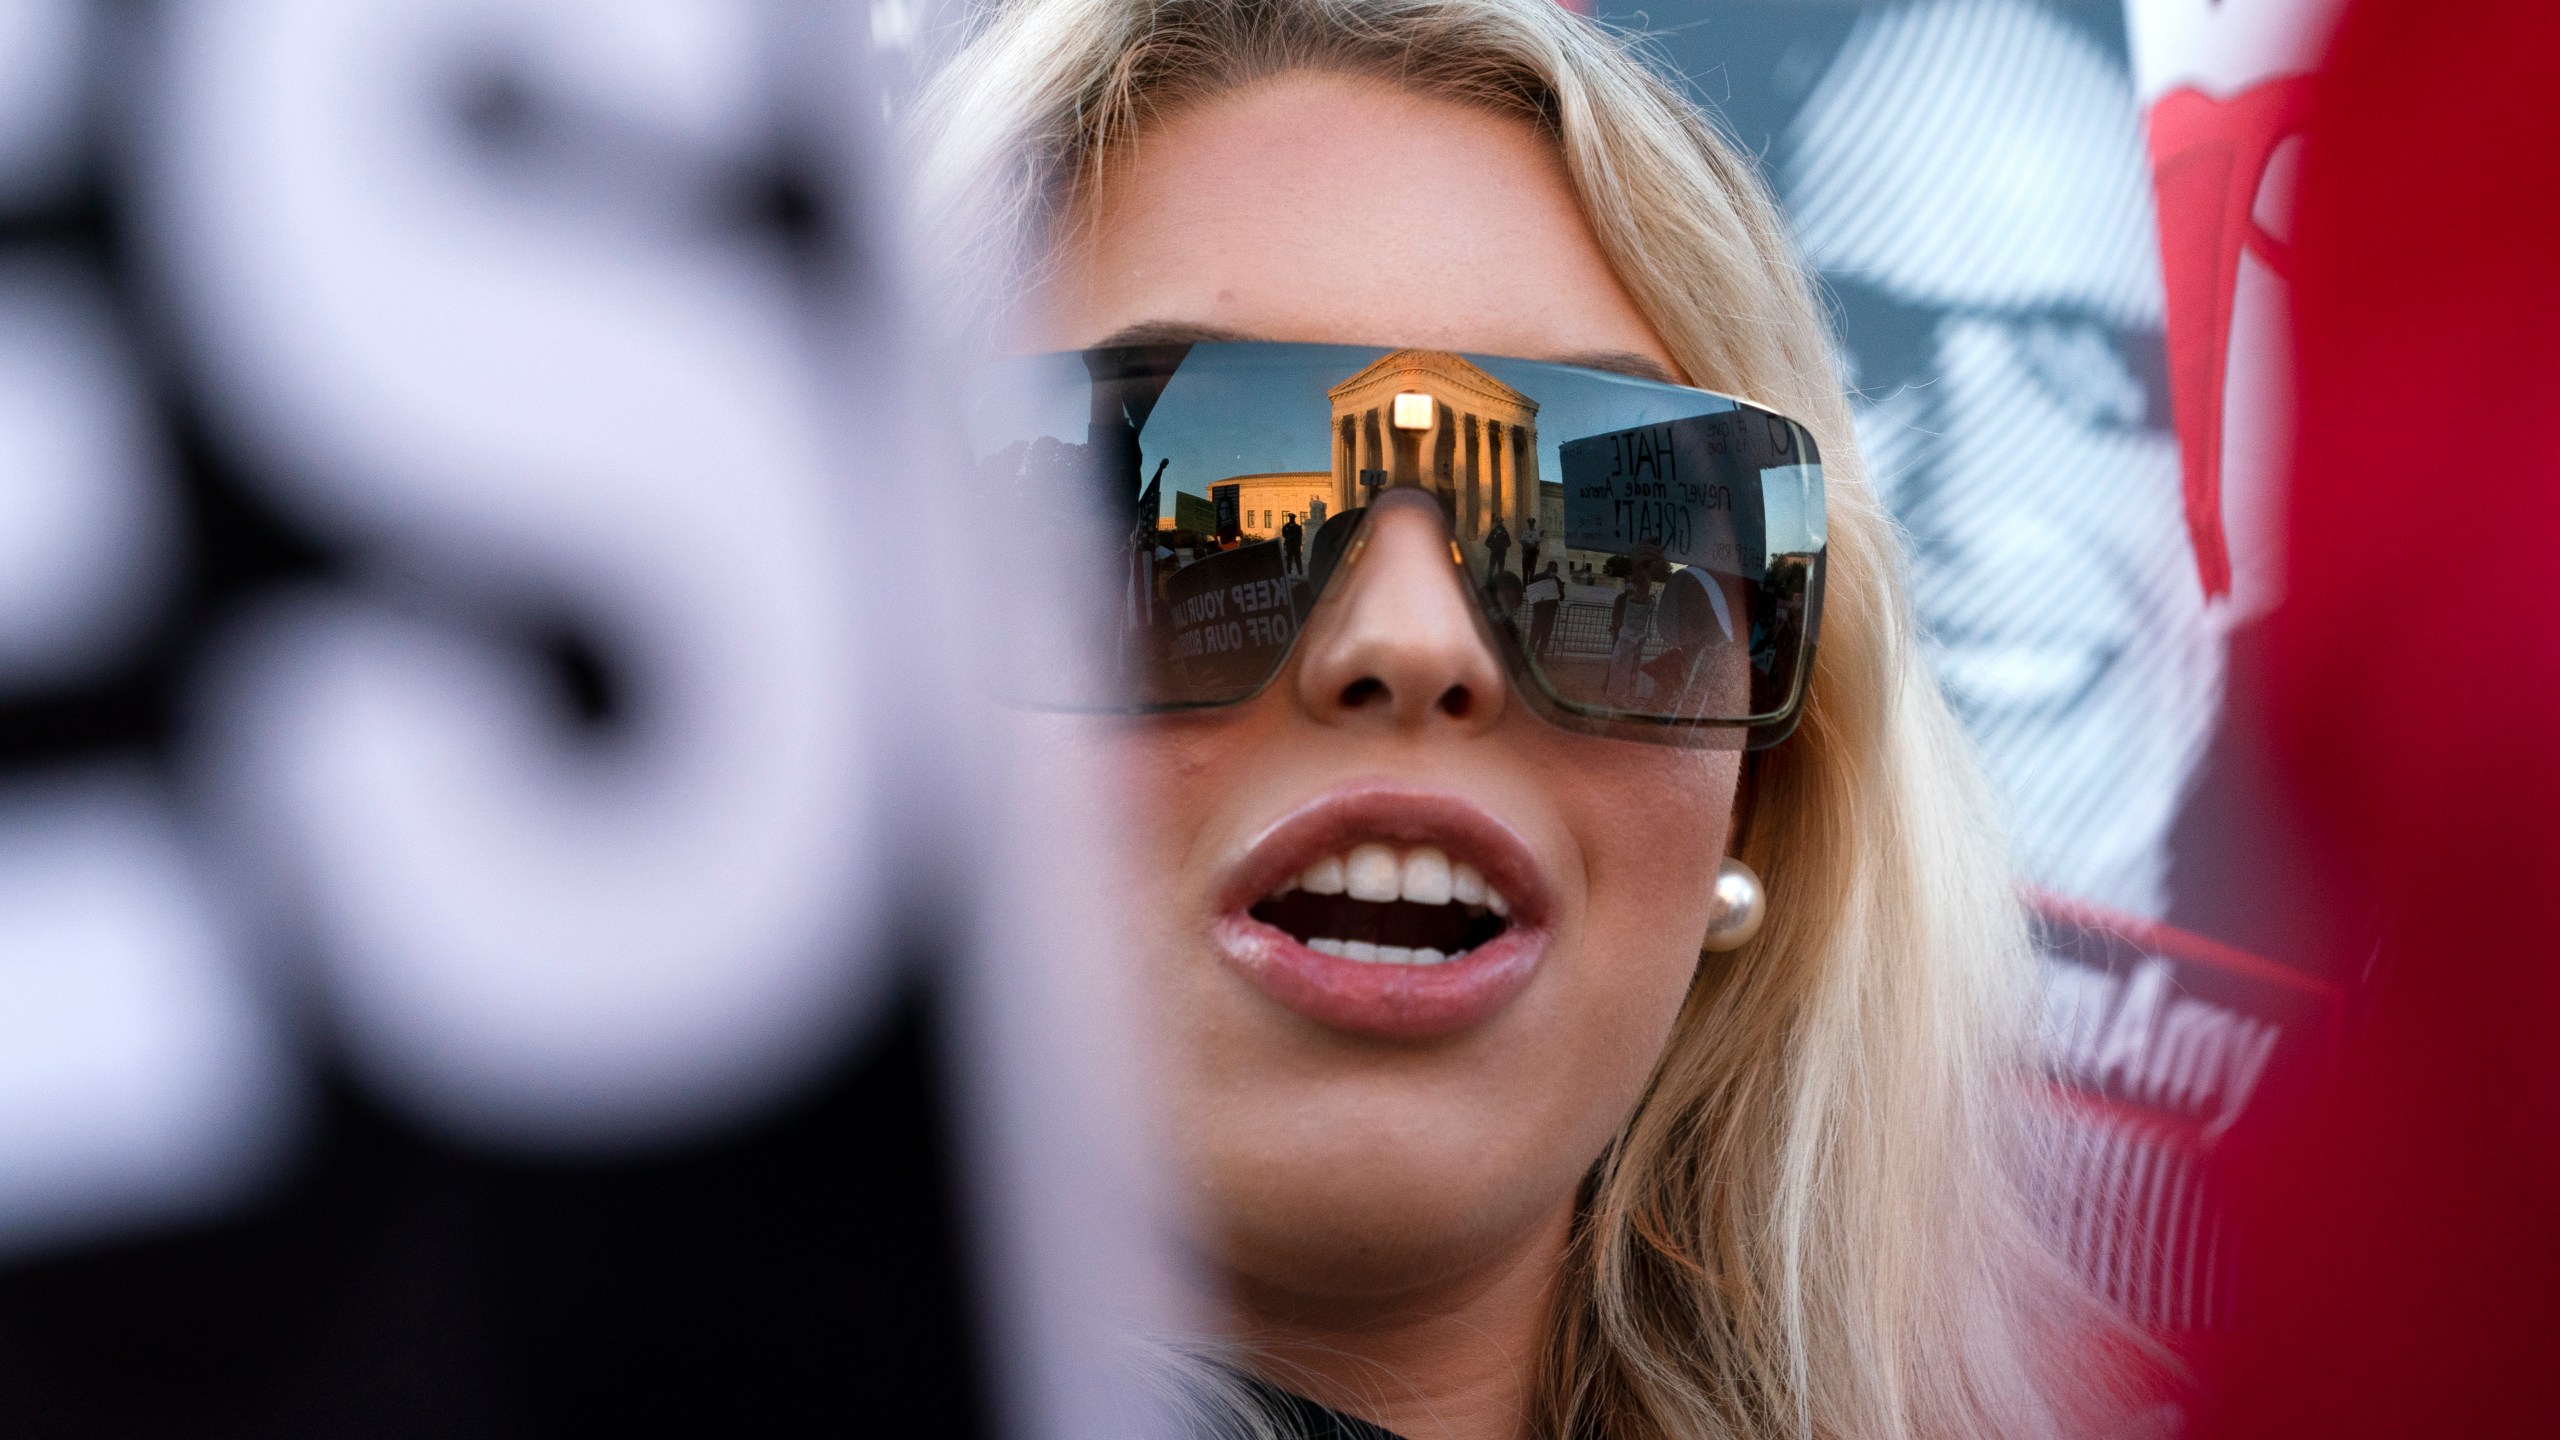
x=1391, y=933
x=1369, y=954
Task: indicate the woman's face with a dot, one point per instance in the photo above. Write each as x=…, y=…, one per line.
x=1360, y=1131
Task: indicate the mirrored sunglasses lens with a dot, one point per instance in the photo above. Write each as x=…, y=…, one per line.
x=1650, y=552
x=1671, y=574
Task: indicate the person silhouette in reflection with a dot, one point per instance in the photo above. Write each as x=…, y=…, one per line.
x=1293, y=539
x=1696, y=622
x=1497, y=542
x=1532, y=540
x=1506, y=596
x=1630, y=621
x=1545, y=596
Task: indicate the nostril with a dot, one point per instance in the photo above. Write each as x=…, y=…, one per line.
x=1456, y=701
x=1361, y=691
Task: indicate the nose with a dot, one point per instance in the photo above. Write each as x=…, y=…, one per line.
x=1397, y=647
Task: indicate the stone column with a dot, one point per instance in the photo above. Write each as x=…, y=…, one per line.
x=1346, y=465
x=1444, y=453
x=1524, y=480
x=1373, y=449
x=1474, y=505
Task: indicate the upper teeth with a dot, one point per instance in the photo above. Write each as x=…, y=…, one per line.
x=1424, y=875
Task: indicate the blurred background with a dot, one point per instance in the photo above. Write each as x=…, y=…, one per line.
x=492, y=941
x=2053, y=236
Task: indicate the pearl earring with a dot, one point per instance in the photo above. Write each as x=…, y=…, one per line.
x=1740, y=906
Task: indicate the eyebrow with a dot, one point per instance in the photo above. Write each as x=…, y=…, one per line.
x=1180, y=332
x=1170, y=332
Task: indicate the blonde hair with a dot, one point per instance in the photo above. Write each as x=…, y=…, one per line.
x=1811, y=1225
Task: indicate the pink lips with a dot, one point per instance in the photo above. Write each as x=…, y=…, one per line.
x=1398, y=1001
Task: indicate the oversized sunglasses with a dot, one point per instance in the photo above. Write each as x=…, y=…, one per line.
x=1647, y=558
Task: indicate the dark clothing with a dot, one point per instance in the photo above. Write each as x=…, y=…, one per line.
x=1529, y=558
x=1542, y=624
x=1293, y=539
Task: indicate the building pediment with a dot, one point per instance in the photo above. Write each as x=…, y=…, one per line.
x=1451, y=378
x=1434, y=419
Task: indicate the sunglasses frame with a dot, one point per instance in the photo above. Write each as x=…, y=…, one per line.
x=1750, y=733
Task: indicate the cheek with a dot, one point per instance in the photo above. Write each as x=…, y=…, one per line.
x=1652, y=824
x=1166, y=784
x=1154, y=791
x=1181, y=788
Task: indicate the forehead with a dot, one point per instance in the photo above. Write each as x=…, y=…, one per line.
x=1340, y=208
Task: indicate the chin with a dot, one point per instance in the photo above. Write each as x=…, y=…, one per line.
x=1353, y=1206
x=1354, y=1251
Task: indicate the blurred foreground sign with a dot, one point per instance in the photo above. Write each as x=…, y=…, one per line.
x=448, y=948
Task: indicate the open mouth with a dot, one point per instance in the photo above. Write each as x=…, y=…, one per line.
x=1379, y=905
x=1401, y=912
